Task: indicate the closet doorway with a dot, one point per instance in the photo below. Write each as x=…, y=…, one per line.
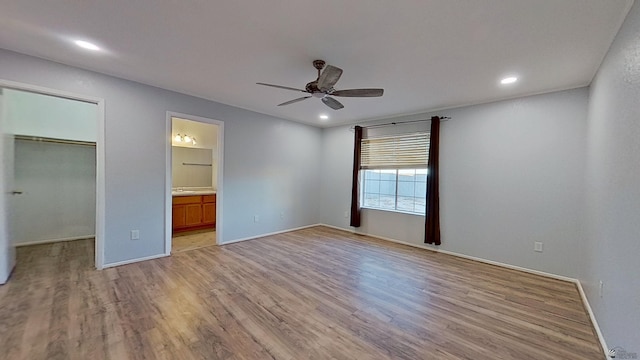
x=56, y=151
x=194, y=175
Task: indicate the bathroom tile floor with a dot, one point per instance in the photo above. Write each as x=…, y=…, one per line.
x=192, y=240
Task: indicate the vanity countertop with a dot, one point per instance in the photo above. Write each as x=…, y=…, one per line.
x=192, y=192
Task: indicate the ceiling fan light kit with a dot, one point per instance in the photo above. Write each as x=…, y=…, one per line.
x=323, y=89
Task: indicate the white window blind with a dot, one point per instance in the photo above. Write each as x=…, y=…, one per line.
x=395, y=152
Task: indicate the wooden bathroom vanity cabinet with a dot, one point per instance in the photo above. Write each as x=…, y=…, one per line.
x=193, y=212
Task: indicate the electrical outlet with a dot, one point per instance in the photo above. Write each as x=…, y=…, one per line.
x=601, y=288
x=346, y=213
x=537, y=246
x=281, y=214
x=135, y=234
x=256, y=218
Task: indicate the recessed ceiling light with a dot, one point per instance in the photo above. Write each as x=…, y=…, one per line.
x=324, y=117
x=508, y=80
x=87, y=45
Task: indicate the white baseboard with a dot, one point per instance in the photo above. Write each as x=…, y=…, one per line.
x=48, y=241
x=269, y=234
x=434, y=248
x=512, y=267
x=424, y=247
x=583, y=296
x=592, y=316
x=131, y=261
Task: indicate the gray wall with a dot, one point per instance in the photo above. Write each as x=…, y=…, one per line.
x=512, y=173
x=270, y=163
x=613, y=190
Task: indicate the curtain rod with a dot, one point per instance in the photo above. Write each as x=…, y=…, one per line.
x=442, y=118
x=53, y=140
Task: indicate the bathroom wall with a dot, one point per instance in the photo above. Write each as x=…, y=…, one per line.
x=206, y=136
x=192, y=167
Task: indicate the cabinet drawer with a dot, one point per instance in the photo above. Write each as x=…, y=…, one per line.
x=209, y=198
x=186, y=200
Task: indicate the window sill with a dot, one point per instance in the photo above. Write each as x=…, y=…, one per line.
x=392, y=211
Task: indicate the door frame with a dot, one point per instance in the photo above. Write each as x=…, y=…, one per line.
x=168, y=217
x=100, y=154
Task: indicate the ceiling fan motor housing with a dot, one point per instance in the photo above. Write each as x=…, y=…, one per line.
x=318, y=64
x=312, y=87
x=327, y=79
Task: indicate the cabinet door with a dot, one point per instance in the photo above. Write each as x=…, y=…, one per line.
x=209, y=213
x=179, y=217
x=194, y=214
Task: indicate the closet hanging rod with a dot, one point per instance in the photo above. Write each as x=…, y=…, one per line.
x=54, y=140
x=196, y=164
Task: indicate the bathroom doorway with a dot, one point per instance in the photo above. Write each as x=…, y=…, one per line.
x=194, y=175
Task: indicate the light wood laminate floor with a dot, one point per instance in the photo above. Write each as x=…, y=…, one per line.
x=316, y=293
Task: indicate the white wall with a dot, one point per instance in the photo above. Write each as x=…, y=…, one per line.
x=184, y=174
x=49, y=116
x=205, y=134
x=57, y=180
x=58, y=184
x=270, y=163
x=7, y=249
x=613, y=190
x=512, y=173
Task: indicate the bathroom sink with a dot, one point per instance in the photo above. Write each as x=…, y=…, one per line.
x=181, y=192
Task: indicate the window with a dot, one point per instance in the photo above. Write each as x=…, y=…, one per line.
x=394, y=172
x=395, y=189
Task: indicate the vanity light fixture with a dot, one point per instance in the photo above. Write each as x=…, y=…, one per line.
x=186, y=139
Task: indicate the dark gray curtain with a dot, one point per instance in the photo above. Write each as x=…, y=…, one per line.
x=355, y=186
x=432, y=218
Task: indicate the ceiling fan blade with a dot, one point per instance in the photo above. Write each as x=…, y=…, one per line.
x=329, y=77
x=332, y=103
x=358, y=92
x=282, y=87
x=294, y=100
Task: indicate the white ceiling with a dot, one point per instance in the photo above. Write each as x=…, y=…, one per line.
x=427, y=55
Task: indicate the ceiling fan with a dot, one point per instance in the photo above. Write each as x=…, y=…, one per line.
x=322, y=87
